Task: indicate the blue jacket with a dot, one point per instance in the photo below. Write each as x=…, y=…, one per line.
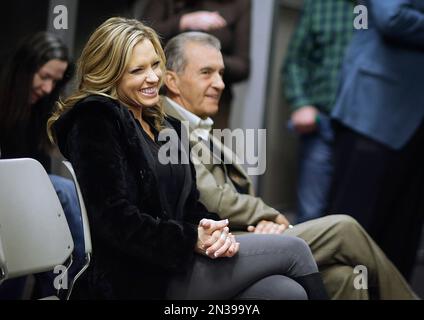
x=381, y=94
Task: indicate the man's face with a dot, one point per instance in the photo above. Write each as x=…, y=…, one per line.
x=200, y=83
x=45, y=79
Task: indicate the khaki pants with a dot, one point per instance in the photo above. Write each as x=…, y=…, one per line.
x=339, y=244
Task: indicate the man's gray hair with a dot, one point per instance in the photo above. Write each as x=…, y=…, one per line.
x=174, y=49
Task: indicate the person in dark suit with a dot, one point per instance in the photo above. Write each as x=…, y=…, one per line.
x=379, y=154
x=228, y=20
x=151, y=236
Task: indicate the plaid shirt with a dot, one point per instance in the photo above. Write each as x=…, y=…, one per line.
x=315, y=54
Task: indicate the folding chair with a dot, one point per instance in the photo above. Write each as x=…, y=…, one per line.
x=81, y=232
x=34, y=233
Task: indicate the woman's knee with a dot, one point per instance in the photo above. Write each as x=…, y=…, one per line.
x=299, y=253
x=276, y=287
x=297, y=245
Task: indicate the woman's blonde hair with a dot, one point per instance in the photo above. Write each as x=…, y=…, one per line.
x=104, y=61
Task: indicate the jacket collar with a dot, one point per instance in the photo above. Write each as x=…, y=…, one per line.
x=175, y=110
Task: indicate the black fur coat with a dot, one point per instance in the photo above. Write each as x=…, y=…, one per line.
x=136, y=245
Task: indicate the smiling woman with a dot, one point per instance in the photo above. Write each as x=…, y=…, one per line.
x=152, y=238
x=122, y=67
x=140, y=83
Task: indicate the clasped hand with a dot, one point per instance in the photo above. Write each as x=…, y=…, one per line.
x=215, y=240
x=278, y=226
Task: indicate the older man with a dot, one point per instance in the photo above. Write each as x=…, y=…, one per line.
x=340, y=246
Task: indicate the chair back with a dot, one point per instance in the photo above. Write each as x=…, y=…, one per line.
x=34, y=232
x=2, y=264
x=85, y=231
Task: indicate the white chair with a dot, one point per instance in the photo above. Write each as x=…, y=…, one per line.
x=2, y=264
x=34, y=232
x=86, y=229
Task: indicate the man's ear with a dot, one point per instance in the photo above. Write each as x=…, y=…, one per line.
x=172, y=82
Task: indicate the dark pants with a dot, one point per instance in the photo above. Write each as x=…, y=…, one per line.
x=315, y=171
x=383, y=189
x=266, y=267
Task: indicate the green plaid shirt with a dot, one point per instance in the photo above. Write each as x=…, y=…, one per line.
x=316, y=51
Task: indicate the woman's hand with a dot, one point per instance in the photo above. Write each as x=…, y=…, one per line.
x=215, y=240
x=232, y=249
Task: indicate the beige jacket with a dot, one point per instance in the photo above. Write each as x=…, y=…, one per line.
x=218, y=183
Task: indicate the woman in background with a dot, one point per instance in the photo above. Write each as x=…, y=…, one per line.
x=30, y=84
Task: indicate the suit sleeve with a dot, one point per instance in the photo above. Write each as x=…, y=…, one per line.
x=399, y=20
x=242, y=210
x=100, y=163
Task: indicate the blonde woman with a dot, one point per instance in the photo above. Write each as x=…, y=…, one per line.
x=151, y=236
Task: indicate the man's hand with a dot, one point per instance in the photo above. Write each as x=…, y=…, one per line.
x=304, y=119
x=267, y=227
x=202, y=20
x=281, y=219
x=278, y=226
